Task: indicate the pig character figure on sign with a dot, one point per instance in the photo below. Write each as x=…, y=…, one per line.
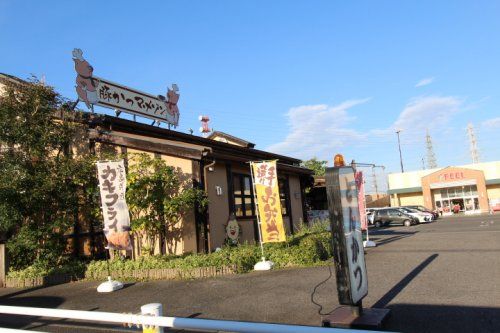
x=171, y=104
x=86, y=85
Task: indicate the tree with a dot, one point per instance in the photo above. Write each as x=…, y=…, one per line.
x=317, y=166
x=40, y=181
x=158, y=197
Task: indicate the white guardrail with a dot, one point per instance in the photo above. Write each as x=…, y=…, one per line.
x=172, y=322
x=11, y=330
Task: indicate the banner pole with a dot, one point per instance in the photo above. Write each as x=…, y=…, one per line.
x=108, y=260
x=257, y=211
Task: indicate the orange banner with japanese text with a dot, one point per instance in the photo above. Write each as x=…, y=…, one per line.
x=268, y=201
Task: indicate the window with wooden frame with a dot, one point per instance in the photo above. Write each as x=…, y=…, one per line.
x=244, y=205
x=284, y=195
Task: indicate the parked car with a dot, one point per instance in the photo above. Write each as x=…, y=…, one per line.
x=388, y=216
x=421, y=216
x=423, y=209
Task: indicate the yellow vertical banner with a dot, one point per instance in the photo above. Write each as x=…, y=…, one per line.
x=268, y=201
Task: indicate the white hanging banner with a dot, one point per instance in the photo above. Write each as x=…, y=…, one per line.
x=113, y=184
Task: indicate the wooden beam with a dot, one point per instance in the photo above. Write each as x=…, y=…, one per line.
x=281, y=167
x=154, y=147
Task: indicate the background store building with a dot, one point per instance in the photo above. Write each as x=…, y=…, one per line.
x=473, y=188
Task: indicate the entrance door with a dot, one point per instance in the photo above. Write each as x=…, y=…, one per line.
x=457, y=205
x=476, y=204
x=446, y=207
x=464, y=197
x=469, y=205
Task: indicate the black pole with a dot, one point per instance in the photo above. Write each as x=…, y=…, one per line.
x=400, y=155
x=108, y=260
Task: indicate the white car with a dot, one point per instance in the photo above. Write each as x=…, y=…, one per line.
x=421, y=216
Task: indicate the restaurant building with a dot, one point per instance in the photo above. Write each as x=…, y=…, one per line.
x=473, y=188
x=217, y=164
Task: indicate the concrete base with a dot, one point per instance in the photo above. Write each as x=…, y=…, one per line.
x=369, y=244
x=264, y=265
x=347, y=317
x=109, y=286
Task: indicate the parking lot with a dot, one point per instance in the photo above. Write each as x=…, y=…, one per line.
x=442, y=276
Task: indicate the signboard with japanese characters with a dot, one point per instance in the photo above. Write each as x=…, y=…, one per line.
x=93, y=90
x=360, y=185
x=268, y=201
x=112, y=184
x=349, y=260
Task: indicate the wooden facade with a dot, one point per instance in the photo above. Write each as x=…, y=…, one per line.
x=212, y=165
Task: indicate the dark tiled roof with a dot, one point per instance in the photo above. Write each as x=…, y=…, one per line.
x=220, y=150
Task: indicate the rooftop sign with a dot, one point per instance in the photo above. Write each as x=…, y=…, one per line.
x=93, y=90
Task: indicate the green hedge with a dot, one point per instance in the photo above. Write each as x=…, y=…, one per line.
x=73, y=268
x=311, y=246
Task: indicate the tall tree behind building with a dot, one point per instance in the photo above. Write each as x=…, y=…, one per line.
x=316, y=165
x=40, y=182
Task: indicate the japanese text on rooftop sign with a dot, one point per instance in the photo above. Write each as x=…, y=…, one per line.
x=122, y=98
x=93, y=90
x=112, y=184
x=268, y=201
x=352, y=233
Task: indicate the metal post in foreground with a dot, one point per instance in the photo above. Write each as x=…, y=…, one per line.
x=173, y=322
x=152, y=309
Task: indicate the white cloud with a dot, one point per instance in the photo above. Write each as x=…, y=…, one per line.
x=427, y=112
x=321, y=130
x=419, y=115
x=317, y=130
x=492, y=123
x=424, y=82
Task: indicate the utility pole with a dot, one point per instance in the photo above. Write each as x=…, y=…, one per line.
x=431, y=157
x=372, y=165
x=375, y=185
x=400, y=155
x=423, y=163
x=473, y=144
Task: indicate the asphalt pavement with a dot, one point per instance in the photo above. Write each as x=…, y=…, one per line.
x=442, y=276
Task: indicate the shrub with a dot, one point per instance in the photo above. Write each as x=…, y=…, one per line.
x=310, y=246
x=41, y=269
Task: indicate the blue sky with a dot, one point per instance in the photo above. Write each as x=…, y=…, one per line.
x=300, y=78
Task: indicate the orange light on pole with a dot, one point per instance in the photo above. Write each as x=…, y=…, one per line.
x=338, y=160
